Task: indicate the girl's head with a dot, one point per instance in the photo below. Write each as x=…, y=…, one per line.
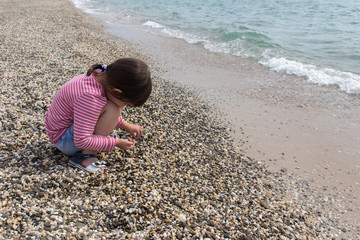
x=128, y=80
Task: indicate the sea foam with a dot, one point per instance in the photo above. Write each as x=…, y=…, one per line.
x=348, y=82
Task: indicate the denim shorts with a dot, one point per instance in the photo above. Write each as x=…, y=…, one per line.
x=66, y=142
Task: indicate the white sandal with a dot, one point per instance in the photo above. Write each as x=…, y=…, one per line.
x=93, y=167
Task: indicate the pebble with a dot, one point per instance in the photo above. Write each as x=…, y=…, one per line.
x=182, y=217
x=185, y=163
x=264, y=204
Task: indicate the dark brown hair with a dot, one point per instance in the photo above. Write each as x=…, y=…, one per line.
x=131, y=76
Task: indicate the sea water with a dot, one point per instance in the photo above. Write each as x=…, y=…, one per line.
x=315, y=39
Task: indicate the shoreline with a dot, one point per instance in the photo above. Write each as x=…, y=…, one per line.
x=303, y=130
x=183, y=180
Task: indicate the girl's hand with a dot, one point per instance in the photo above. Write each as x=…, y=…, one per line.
x=135, y=130
x=125, y=144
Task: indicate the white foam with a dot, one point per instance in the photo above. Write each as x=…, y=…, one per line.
x=231, y=47
x=79, y=3
x=90, y=7
x=153, y=25
x=348, y=82
x=234, y=47
x=188, y=37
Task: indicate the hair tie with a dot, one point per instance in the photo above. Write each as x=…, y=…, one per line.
x=100, y=68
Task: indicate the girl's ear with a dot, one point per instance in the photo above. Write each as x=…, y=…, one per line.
x=116, y=91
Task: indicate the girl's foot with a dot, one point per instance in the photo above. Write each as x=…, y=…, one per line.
x=87, y=162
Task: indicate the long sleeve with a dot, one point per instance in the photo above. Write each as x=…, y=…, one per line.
x=120, y=122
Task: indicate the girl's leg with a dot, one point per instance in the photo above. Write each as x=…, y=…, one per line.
x=104, y=126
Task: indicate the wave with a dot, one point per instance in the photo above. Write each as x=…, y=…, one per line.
x=346, y=81
x=188, y=37
x=233, y=47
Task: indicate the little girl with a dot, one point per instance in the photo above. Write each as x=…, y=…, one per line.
x=86, y=110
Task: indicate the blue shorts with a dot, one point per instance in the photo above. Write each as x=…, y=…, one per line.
x=66, y=142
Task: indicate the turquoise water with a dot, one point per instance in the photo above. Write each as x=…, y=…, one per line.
x=317, y=39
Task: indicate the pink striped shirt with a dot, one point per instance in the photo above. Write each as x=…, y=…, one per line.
x=79, y=102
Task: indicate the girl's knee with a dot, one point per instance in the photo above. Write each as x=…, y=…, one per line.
x=111, y=108
x=108, y=119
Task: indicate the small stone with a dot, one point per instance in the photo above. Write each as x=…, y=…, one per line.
x=226, y=235
x=47, y=224
x=182, y=217
x=268, y=194
x=49, y=229
x=72, y=174
x=264, y=204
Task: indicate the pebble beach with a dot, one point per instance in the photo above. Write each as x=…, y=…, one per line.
x=183, y=180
